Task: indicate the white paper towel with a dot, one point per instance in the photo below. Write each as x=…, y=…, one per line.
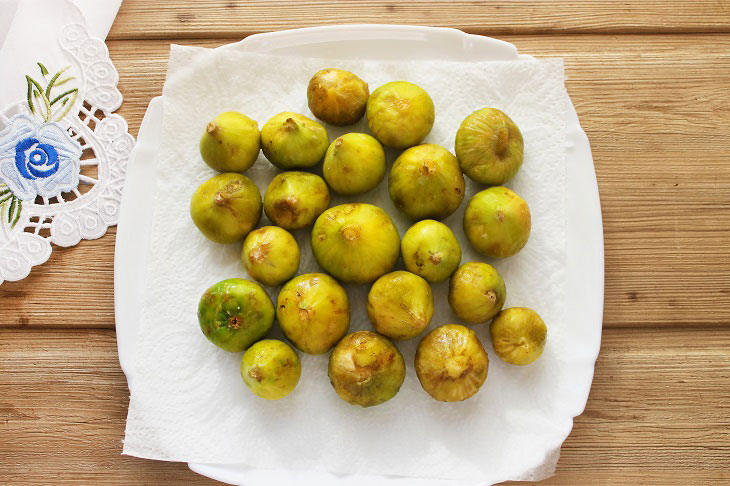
x=188, y=401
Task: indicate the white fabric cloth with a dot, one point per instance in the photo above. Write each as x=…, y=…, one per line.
x=56, y=78
x=188, y=401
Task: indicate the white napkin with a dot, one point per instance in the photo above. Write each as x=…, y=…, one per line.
x=29, y=34
x=188, y=401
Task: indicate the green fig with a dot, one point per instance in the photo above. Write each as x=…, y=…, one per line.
x=355, y=243
x=426, y=182
x=270, y=255
x=489, y=147
x=476, y=292
x=271, y=369
x=294, y=200
x=497, y=222
x=235, y=313
x=400, y=114
x=337, y=96
x=226, y=207
x=366, y=369
x=451, y=363
x=313, y=312
x=400, y=305
x=293, y=141
x=231, y=142
x=518, y=335
x=354, y=164
x=430, y=250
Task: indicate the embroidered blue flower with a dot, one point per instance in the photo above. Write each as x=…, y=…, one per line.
x=38, y=159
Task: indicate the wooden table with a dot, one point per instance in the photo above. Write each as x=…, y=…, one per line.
x=650, y=80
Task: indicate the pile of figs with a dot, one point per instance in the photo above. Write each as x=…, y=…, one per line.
x=358, y=243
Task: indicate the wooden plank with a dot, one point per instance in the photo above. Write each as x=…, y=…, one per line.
x=658, y=411
x=654, y=110
x=140, y=19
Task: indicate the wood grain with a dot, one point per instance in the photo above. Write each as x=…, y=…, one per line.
x=658, y=411
x=141, y=19
x=657, y=120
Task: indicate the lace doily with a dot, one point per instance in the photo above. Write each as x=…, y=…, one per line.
x=63, y=154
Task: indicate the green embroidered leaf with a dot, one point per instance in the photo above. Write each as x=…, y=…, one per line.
x=35, y=89
x=12, y=209
x=4, y=191
x=52, y=82
x=44, y=71
x=4, y=199
x=71, y=95
x=30, y=94
x=17, y=213
x=63, y=81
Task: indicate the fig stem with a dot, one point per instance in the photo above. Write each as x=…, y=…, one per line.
x=212, y=128
x=290, y=124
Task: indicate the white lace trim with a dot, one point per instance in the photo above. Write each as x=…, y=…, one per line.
x=87, y=211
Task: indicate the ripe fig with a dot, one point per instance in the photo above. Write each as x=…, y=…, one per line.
x=293, y=141
x=426, y=182
x=489, y=147
x=313, y=312
x=226, y=207
x=400, y=114
x=337, y=96
x=355, y=243
x=354, y=164
x=518, y=335
x=235, y=313
x=231, y=142
x=293, y=200
x=476, y=292
x=366, y=369
x=400, y=305
x=430, y=250
x=451, y=363
x=270, y=369
x=497, y=222
x=270, y=255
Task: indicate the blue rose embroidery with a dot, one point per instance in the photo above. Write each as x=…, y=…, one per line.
x=34, y=159
x=38, y=159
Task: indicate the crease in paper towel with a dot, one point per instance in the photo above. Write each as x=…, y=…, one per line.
x=188, y=401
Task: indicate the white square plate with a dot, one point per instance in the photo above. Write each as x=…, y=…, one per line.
x=584, y=231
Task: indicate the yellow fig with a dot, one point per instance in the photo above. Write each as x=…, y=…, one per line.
x=451, y=363
x=518, y=335
x=337, y=96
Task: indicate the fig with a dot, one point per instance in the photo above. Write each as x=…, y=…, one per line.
x=366, y=369
x=293, y=200
x=235, y=313
x=430, y=250
x=355, y=243
x=497, y=222
x=476, y=292
x=400, y=305
x=313, y=312
x=271, y=369
x=518, y=335
x=231, y=142
x=270, y=255
x=451, y=363
x=337, y=96
x=354, y=164
x=400, y=114
x=226, y=207
x=293, y=141
x=489, y=147
x=426, y=182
